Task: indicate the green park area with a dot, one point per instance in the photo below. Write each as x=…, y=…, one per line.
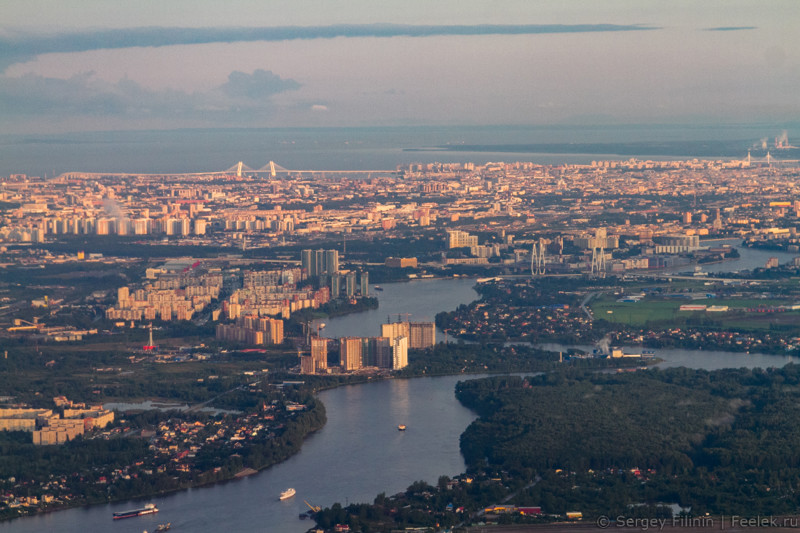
x=748, y=313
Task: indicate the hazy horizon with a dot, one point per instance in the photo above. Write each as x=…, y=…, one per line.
x=368, y=147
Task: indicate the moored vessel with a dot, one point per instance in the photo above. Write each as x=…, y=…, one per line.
x=150, y=508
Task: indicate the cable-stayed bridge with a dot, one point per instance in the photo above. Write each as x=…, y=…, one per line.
x=771, y=160
x=273, y=169
x=239, y=169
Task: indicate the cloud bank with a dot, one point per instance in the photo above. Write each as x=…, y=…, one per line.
x=259, y=84
x=731, y=28
x=16, y=47
x=32, y=95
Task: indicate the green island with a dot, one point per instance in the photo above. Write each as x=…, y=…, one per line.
x=576, y=443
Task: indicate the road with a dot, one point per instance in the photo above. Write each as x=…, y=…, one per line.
x=199, y=406
x=507, y=499
x=586, y=301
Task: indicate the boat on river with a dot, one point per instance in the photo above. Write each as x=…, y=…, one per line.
x=288, y=493
x=150, y=508
x=401, y=427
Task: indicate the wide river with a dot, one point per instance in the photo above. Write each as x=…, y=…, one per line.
x=749, y=258
x=419, y=300
x=358, y=454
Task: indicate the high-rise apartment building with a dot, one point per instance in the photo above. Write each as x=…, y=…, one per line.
x=395, y=329
x=319, y=262
x=350, y=353
x=319, y=353
x=123, y=295
x=421, y=335
x=200, y=226
x=307, y=263
x=380, y=352
x=307, y=364
x=460, y=239
x=350, y=284
x=331, y=261
x=141, y=226
x=399, y=353
x=275, y=331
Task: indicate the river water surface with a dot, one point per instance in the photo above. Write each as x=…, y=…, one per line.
x=749, y=258
x=417, y=301
x=358, y=454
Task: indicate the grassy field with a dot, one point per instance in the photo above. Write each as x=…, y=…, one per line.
x=638, y=313
x=664, y=313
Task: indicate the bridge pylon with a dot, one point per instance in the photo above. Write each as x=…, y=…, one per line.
x=538, y=259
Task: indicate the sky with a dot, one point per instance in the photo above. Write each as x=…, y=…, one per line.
x=99, y=65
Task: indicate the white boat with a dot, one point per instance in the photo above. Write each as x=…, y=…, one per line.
x=288, y=493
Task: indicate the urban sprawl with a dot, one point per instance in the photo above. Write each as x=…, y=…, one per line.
x=255, y=260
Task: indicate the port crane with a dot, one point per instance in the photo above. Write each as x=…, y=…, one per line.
x=315, y=508
x=30, y=326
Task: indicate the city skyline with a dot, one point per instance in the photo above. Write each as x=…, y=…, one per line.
x=113, y=66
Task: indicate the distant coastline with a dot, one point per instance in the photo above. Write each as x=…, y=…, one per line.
x=208, y=150
x=733, y=149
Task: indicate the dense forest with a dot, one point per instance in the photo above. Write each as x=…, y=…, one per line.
x=717, y=442
x=462, y=358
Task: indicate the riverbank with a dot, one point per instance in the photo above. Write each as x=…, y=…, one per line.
x=629, y=457
x=256, y=458
x=155, y=477
x=380, y=459
x=686, y=313
x=189, y=380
